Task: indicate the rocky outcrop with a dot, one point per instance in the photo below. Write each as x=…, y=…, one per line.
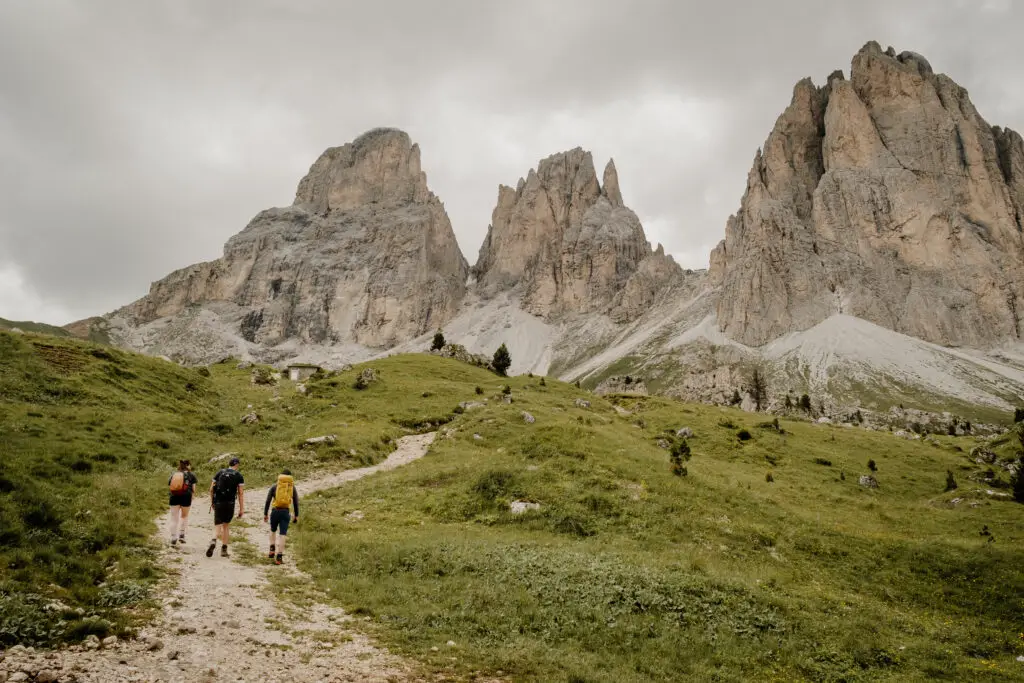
x=886, y=197
x=365, y=255
x=566, y=244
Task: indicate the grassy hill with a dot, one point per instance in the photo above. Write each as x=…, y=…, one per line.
x=38, y=328
x=624, y=573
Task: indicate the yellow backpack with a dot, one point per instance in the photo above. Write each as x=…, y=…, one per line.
x=283, y=495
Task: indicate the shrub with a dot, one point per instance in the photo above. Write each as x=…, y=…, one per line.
x=805, y=403
x=823, y=462
x=577, y=384
x=479, y=391
x=727, y=424
x=502, y=360
x=542, y=382
x=744, y=435
x=736, y=399
x=494, y=483
x=769, y=478
x=789, y=401
x=1018, y=415
x=842, y=475
x=438, y=342
x=679, y=454
x=506, y=390
x=950, y=481
x=204, y=372
x=872, y=466
x=1018, y=481
x=758, y=388
x=262, y=375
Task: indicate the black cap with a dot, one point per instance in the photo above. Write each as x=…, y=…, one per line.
x=234, y=461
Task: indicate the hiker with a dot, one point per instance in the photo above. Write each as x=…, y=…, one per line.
x=227, y=485
x=283, y=495
x=182, y=484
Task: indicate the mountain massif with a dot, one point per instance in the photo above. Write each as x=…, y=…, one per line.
x=877, y=257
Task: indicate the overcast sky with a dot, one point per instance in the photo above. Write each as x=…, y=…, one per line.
x=137, y=136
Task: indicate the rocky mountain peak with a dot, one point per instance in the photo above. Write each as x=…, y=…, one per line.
x=381, y=166
x=565, y=244
x=887, y=197
x=366, y=255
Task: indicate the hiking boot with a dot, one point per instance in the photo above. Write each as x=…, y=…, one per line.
x=224, y=551
x=181, y=539
x=279, y=559
x=213, y=546
x=271, y=553
x=174, y=542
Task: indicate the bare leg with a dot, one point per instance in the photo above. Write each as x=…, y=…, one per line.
x=280, y=543
x=273, y=537
x=175, y=515
x=184, y=521
x=226, y=534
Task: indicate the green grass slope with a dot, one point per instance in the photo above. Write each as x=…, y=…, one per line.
x=625, y=573
x=628, y=573
x=38, y=328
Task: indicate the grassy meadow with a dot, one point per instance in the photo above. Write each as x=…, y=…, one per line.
x=768, y=561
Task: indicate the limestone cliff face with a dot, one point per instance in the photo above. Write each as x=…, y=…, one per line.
x=566, y=244
x=366, y=254
x=886, y=197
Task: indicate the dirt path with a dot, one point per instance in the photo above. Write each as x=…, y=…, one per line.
x=220, y=624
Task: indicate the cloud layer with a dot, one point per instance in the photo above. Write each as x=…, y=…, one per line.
x=138, y=137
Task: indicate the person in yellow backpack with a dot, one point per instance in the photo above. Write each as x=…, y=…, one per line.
x=283, y=496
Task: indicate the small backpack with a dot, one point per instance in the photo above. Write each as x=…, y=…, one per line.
x=226, y=487
x=283, y=495
x=178, y=483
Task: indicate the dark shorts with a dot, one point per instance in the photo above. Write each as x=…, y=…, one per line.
x=182, y=499
x=223, y=513
x=280, y=518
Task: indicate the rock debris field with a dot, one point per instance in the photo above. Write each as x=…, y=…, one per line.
x=220, y=621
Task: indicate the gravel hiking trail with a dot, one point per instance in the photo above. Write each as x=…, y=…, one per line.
x=219, y=620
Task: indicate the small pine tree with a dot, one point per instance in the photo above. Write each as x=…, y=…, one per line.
x=805, y=403
x=1018, y=481
x=769, y=478
x=758, y=388
x=577, y=384
x=736, y=400
x=438, y=342
x=872, y=466
x=479, y=391
x=502, y=360
x=859, y=416
x=842, y=475
x=789, y=402
x=679, y=455
x=542, y=382
x=1018, y=415
x=506, y=390
x=950, y=481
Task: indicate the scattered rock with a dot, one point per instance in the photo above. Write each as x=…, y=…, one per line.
x=47, y=676
x=366, y=377
x=435, y=649
x=173, y=655
x=244, y=365
x=301, y=388
x=477, y=437
x=685, y=433
x=250, y=419
x=471, y=405
x=868, y=481
x=518, y=507
x=110, y=641
x=154, y=644
x=823, y=421
x=231, y=623
x=17, y=677
x=662, y=443
x=354, y=516
x=581, y=403
x=329, y=438
x=91, y=643
x=186, y=630
x=528, y=419
x=451, y=643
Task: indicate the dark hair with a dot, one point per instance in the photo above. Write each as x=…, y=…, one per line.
x=184, y=465
x=234, y=461
x=288, y=472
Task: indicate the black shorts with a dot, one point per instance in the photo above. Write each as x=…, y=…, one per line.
x=280, y=518
x=182, y=499
x=223, y=513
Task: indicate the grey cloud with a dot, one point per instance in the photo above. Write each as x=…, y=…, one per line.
x=138, y=137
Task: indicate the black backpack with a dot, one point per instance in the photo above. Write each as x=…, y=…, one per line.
x=226, y=488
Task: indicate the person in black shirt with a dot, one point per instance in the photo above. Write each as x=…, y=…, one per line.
x=228, y=484
x=284, y=496
x=182, y=485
